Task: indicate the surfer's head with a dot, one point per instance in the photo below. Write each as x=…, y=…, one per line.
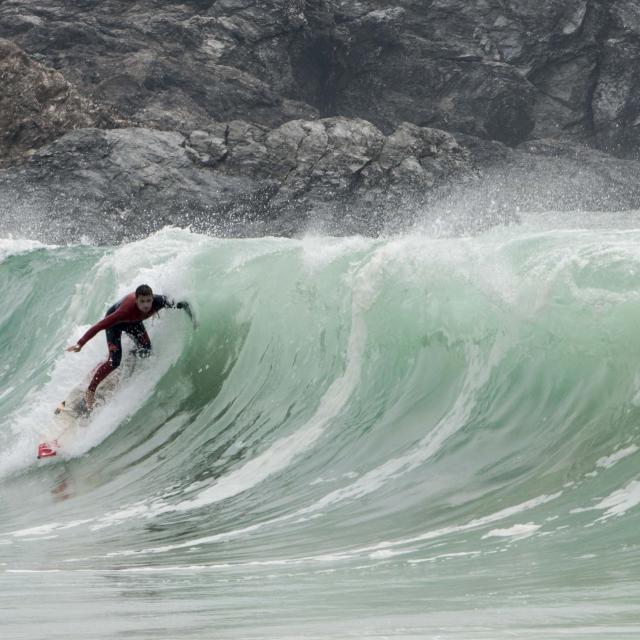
x=144, y=298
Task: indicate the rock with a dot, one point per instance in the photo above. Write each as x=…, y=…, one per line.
x=232, y=179
x=211, y=148
x=616, y=108
x=511, y=73
x=351, y=115
x=467, y=67
x=38, y=105
x=107, y=186
x=334, y=174
x=334, y=158
x=170, y=65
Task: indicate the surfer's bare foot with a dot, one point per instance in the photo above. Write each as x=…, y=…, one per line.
x=89, y=399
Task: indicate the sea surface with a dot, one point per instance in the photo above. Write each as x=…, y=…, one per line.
x=404, y=437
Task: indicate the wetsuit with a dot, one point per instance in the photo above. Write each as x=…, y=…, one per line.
x=125, y=316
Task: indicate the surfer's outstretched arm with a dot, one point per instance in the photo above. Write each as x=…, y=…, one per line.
x=109, y=320
x=164, y=301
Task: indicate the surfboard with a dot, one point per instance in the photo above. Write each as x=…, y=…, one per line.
x=68, y=415
x=72, y=413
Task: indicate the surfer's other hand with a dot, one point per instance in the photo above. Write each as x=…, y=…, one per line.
x=75, y=347
x=183, y=304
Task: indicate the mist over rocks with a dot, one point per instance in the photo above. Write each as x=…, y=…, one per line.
x=349, y=116
x=547, y=175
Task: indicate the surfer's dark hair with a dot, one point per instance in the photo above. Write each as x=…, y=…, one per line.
x=143, y=290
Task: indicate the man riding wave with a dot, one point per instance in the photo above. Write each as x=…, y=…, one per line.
x=126, y=315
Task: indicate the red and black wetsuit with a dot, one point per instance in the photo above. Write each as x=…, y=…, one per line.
x=125, y=316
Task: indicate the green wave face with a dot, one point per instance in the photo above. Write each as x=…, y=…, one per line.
x=396, y=436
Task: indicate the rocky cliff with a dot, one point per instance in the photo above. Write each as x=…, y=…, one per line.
x=242, y=116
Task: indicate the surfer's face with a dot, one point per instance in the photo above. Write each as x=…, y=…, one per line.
x=144, y=303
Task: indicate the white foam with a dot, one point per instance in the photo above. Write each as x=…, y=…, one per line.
x=608, y=461
x=16, y=246
x=320, y=251
x=446, y=556
x=473, y=524
x=46, y=529
x=380, y=550
x=517, y=531
x=6, y=392
x=379, y=547
x=383, y=554
x=620, y=501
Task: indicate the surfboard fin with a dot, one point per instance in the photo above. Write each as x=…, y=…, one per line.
x=45, y=450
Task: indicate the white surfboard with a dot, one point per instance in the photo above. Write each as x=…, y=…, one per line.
x=72, y=413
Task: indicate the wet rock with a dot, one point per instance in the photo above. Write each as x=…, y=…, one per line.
x=170, y=65
x=232, y=179
x=616, y=108
x=508, y=72
x=108, y=186
x=38, y=105
x=269, y=117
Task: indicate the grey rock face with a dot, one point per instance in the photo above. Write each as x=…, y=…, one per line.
x=107, y=186
x=38, y=105
x=508, y=71
x=173, y=65
x=313, y=165
x=337, y=153
x=616, y=99
x=345, y=115
x=230, y=179
x=335, y=174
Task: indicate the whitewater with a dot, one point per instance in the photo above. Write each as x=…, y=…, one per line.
x=415, y=436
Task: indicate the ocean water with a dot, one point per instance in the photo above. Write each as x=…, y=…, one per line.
x=406, y=437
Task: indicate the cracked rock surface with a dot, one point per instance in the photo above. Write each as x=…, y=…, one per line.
x=247, y=117
x=37, y=105
x=508, y=71
x=234, y=178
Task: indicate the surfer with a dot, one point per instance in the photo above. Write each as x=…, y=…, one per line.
x=126, y=315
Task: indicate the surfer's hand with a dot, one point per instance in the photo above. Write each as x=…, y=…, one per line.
x=75, y=347
x=183, y=304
